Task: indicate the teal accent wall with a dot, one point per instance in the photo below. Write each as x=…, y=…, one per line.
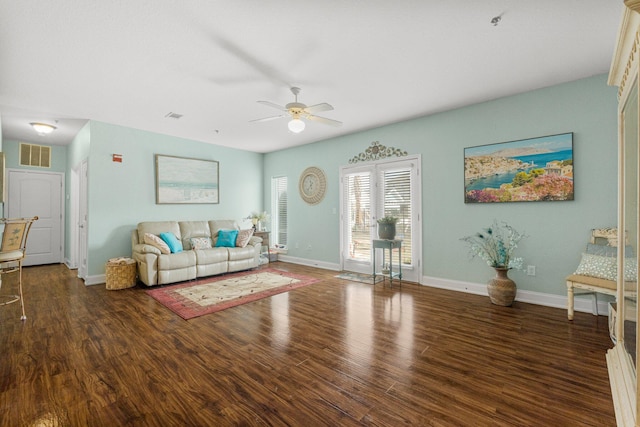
x=123, y=194
x=558, y=231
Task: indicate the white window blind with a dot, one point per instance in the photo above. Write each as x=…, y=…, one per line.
x=394, y=191
x=279, y=210
x=358, y=202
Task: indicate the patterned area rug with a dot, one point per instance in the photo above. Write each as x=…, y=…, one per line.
x=193, y=299
x=359, y=277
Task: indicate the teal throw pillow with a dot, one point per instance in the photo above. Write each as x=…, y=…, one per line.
x=227, y=239
x=172, y=241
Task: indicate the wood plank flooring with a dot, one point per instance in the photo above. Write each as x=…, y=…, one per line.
x=335, y=353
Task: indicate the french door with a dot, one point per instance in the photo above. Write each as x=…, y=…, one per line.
x=370, y=191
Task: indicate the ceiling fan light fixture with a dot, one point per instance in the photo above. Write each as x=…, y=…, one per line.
x=42, y=128
x=296, y=125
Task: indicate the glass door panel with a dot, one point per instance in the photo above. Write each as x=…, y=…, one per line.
x=630, y=222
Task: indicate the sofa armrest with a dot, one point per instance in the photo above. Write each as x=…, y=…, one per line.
x=146, y=249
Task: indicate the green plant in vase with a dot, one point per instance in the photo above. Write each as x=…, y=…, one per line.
x=387, y=227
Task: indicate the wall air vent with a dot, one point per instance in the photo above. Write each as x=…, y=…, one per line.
x=35, y=155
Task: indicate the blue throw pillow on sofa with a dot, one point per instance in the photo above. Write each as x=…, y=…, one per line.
x=172, y=241
x=227, y=239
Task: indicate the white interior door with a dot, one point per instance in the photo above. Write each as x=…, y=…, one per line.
x=371, y=191
x=33, y=193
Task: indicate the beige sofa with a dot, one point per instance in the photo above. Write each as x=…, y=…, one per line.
x=157, y=268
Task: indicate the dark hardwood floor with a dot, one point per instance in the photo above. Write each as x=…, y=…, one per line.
x=335, y=353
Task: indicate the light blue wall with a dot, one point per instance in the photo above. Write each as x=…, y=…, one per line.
x=77, y=151
x=11, y=149
x=123, y=194
x=558, y=230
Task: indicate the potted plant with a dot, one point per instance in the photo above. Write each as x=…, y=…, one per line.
x=387, y=227
x=258, y=219
x=496, y=245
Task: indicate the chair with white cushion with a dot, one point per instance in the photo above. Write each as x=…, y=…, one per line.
x=12, y=253
x=597, y=272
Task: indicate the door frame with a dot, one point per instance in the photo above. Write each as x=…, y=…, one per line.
x=416, y=196
x=82, y=224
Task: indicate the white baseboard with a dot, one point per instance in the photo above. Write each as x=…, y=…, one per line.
x=581, y=304
x=98, y=279
x=309, y=262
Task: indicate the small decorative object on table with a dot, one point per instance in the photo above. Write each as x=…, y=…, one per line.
x=258, y=219
x=495, y=245
x=387, y=227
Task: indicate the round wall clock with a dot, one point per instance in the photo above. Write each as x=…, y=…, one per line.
x=313, y=185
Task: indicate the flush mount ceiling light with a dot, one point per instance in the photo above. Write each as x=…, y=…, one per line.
x=42, y=128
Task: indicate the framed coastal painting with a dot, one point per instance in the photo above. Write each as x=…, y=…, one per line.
x=527, y=170
x=185, y=180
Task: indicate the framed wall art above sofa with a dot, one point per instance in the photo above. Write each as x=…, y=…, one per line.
x=186, y=180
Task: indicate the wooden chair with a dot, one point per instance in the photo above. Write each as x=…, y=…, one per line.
x=12, y=253
x=594, y=285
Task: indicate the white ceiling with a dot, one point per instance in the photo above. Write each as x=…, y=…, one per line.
x=376, y=61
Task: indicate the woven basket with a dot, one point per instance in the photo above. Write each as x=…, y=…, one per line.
x=120, y=273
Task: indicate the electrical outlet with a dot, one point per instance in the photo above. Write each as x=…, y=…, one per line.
x=531, y=270
x=297, y=245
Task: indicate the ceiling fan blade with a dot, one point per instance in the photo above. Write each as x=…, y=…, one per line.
x=318, y=107
x=324, y=120
x=271, y=104
x=266, y=119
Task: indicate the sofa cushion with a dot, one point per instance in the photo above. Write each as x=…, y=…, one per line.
x=191, y=229
x=153, y=240
x=198, y=243
x=243, y=237
x=172, y=241
x=211, y=256
x=247, y=252
x=221, y=224
x=227, y=238
x=183, y=259
x=157, y=227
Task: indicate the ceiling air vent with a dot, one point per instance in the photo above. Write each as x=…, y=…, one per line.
x=172, y=115
x=35, y=155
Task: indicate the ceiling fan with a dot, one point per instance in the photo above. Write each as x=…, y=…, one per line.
x=298, y=111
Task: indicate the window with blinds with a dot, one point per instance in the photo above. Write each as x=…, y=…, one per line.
x=279, y=210
x=394, y=194
x=358, y=203
x=35, y=155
